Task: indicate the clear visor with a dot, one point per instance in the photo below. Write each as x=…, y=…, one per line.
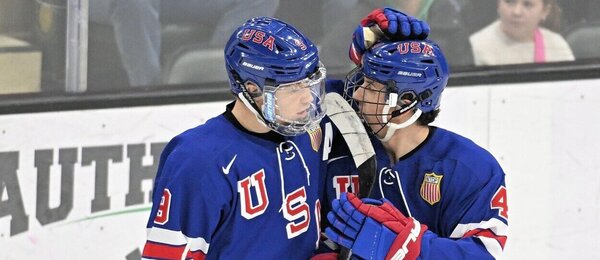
x=295, y=107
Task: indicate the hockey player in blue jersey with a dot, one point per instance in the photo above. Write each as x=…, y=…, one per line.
x=248, y=184
x=437, y=195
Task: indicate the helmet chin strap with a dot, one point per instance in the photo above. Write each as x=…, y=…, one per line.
x=253, y=108
x=392, y=127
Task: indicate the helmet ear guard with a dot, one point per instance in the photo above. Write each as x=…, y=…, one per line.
x=393, y=99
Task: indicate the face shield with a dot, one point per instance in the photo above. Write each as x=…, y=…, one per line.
x=295, y=107
x=368, y=100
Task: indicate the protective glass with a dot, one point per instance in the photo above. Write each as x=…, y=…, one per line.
x=296, y=107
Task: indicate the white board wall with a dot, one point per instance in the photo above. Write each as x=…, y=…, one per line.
x=547, y=138
x=89, y=229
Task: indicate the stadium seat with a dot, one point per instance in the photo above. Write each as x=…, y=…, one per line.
x=583, y=39
x=193, y=64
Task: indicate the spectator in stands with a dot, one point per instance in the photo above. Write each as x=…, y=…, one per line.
x=518, y=36
x=448, y=28
x=137, y=27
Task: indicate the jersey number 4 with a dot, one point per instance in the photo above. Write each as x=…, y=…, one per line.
x=499, y=202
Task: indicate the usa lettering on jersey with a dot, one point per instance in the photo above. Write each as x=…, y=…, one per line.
x=295, y=210
x=345, y=184
x=256, y=181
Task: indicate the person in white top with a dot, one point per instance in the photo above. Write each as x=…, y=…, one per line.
x=518, y=36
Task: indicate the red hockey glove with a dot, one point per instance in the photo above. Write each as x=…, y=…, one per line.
x=374, y=229
x=397, y=25
x=388, y=23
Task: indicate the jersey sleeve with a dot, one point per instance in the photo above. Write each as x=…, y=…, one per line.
x=189, y=199
x=477, y=218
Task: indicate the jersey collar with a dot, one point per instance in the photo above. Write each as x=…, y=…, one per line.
x=270, y=136
x=429, y=135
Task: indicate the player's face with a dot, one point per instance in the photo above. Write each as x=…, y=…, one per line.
x=292, y=108
x=519, y=18
x=293, y=101
x=370, y=97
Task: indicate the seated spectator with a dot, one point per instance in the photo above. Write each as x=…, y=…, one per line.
x=518, y=36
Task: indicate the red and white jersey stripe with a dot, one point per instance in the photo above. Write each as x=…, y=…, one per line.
x=492, y=233
x=168, y=244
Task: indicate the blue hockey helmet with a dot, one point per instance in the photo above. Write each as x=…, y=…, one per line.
x=276, y=57
x=414, y=70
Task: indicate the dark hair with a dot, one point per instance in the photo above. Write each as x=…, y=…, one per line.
x=427, y=118
x=553, y=20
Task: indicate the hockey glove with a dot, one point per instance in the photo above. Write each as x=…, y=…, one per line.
x=374, y=229
x=385, y=23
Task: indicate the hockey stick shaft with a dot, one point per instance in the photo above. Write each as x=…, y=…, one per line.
x=357, y=139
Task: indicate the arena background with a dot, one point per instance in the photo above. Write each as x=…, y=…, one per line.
x=79, y=145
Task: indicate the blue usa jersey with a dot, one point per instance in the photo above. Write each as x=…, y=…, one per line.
x=222, y=192
x=454, y=187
